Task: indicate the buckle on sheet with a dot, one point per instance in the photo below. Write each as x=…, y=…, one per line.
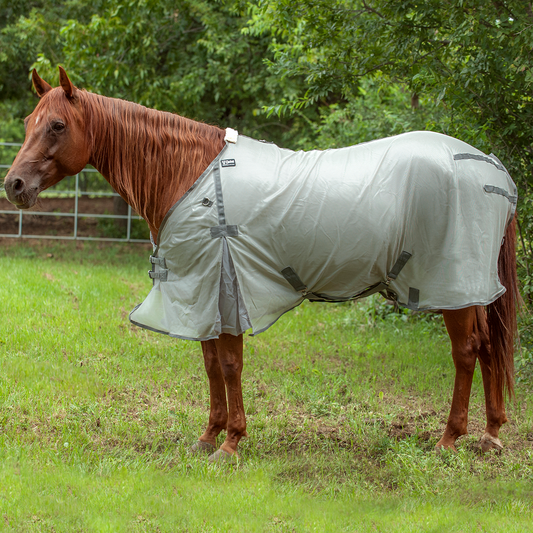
x=158, y=261
x=162, y=275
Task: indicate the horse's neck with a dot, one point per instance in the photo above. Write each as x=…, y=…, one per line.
x=151, y=158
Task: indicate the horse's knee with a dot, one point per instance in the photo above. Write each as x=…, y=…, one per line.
x=231, y=369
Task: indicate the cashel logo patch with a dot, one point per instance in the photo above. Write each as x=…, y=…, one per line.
x=227, y=163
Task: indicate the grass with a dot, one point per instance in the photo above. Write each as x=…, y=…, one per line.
x=344, y=404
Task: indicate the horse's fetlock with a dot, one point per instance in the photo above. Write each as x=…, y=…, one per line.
x=237, y=427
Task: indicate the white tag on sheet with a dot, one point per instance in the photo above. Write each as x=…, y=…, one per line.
x=231, y=135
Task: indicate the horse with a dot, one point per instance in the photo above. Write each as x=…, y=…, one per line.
x=154, y=159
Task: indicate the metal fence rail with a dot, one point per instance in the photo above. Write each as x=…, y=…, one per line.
x=77, y=215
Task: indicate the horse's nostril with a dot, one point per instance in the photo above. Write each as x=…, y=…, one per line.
x=18, y=185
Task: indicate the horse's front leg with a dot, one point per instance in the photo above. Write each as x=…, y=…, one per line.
x=230, y=356
x=218, y=414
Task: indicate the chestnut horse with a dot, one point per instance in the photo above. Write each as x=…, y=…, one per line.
x=151, y=159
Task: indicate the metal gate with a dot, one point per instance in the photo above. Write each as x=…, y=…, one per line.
x=76, y=193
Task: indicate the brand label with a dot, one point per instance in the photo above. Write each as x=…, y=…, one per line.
x=227, y=163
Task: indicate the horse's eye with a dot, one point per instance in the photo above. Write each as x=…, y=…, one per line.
x=58, y=127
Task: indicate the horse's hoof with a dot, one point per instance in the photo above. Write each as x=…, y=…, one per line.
x=488, y=442
x=439, y=448
x=202, y=447
x=222, y=456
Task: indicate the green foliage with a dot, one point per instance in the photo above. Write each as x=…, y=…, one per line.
x=473, y=59
x=190, y=57
x=379, y=110
x=27, y=28
x=112, y=228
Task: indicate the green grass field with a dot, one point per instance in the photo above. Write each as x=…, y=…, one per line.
x=344, y=403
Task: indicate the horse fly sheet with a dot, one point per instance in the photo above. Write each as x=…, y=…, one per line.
x=419, y=217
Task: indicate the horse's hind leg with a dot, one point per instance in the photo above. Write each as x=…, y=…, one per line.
x=464, y=335
x=218, y=414
x=494, y=404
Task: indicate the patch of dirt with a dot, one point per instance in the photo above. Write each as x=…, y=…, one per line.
x=35, y=224
x=428, y=426
x=411, y=428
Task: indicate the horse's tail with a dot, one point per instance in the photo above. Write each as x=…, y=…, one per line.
x=501, y=316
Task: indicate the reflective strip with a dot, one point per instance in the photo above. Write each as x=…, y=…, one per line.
x=220, y=199
x=477, y=157
x=224, y=231
x=500, y=191
x=369, y=291
x=515, y=192
x=158, y=261
x=379, y=287
x=161, y=275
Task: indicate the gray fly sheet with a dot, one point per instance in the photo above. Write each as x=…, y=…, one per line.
x=419, y=217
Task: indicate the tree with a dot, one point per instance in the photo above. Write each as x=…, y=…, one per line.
x=470, y=62
x=186, y=56
x=472, y=58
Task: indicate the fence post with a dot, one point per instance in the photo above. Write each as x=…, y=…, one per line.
x=128, y=231
x=76, y=196
x=20, y=224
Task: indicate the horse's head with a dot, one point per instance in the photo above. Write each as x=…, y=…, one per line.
x=55, y=146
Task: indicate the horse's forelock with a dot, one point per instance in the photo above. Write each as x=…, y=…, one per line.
x=56, y=101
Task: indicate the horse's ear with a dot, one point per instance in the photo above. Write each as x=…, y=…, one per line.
x=67, y=85
x=41, y=87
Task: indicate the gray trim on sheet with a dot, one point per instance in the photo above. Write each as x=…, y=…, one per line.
x=205, y=173
x=477, y=157
x=220, y=198
x=166, y=332
x=224, y=231
x=500, y=191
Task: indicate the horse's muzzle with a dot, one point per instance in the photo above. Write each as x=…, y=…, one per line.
x=19, y=193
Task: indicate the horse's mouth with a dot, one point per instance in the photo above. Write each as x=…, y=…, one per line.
x=25, y=206
x=24, y=201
